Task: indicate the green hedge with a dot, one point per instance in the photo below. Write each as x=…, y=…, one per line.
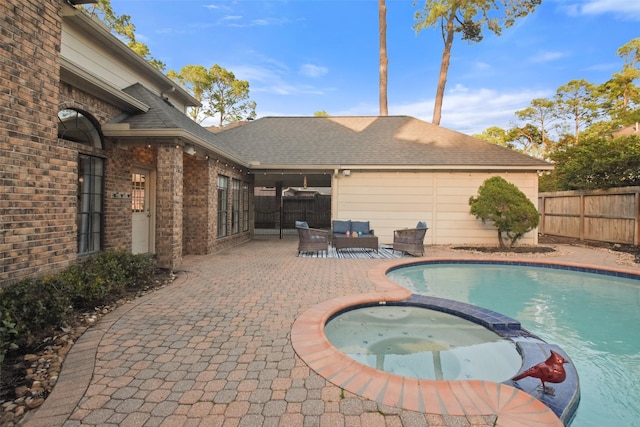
x=32, y=307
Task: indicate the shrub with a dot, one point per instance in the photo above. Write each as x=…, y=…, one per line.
x=8, y=334
x=137, y=270
x=103, y=278
x=507, y=207
x=34, y=306
x=84, y=289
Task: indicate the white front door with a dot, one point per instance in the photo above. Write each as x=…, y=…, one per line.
x=141, y=211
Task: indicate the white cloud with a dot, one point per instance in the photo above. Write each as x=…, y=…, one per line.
x=481, y=66
x=361, y=109
x=272, y=78
x=629, y=9
x=465, y=110
x=311, y=70
x=143, y=38
x=231, y=18
x=471, y=111
x=547, y=56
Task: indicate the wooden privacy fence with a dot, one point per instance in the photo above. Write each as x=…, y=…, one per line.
x=611, y=215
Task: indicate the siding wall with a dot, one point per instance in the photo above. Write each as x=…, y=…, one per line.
x=394, y=200
x=101, y=62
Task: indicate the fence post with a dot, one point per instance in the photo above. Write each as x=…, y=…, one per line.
x=543, y=210
x=280, y=204
x=582, y=224
x=636, y=222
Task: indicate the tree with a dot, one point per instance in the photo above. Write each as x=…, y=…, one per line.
x=220, y=93
x=321, y=113
x=123, y=28
x=577, y=101
x=196, y=80
x=467, y=17
x=495, y=135
x=540, y=114
x=384, y=60
x=229, y=97
x=526, y=139
x=630, y=52
x=599, y=163
x=502, y=203
x=621, y=94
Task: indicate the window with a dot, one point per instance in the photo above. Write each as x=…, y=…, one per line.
x=245, y=206
x=90, y=202
x=223, y=197
x=235, y=206
x=138, y=193
x=78, y=127
x=75, y=126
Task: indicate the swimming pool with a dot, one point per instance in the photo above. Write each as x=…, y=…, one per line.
x=593, y=317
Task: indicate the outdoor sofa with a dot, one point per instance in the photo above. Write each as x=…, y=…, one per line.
x=339, y=228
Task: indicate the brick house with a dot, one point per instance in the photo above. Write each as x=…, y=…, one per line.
x=78, y=174
x=96, y=152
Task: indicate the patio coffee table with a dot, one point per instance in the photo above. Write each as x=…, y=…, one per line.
x=356, y=242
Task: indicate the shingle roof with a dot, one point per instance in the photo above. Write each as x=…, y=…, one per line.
x=385, y=141
x=375, y=141
x=161, y=115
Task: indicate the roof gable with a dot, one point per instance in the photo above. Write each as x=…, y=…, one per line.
x=367, y=141
x=330, y=142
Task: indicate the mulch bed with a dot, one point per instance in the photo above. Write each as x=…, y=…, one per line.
x=554, y=240
x=513, y=250
x=41, y=362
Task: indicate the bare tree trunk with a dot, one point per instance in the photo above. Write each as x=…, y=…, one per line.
x=577, y=123
x=444, y=68
x=384, y=60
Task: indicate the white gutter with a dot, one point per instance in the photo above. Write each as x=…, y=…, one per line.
x=408, y=168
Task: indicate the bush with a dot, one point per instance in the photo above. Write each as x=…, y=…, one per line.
x=84, y=289
x=8, y=335
x=105, y=277
x=32, y=307
x=507, y=207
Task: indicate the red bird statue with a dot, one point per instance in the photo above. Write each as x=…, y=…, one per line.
x=551, y=371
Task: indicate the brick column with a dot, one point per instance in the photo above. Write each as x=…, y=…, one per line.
x=169, y=207
x=197, y=212
x=38, y=178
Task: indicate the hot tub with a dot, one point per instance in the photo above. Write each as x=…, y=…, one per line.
x=422, y=343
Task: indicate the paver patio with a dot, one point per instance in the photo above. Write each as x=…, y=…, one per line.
x=214, y=348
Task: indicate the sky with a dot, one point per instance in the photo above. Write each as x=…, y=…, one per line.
x=304, y=56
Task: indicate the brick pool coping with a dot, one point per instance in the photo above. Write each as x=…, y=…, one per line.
x=513, y=407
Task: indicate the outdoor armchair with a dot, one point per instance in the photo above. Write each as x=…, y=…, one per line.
x=311, y=239
x=410, y=240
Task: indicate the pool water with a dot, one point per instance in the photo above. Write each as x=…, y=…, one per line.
x=593, y=317
x=422, y=343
